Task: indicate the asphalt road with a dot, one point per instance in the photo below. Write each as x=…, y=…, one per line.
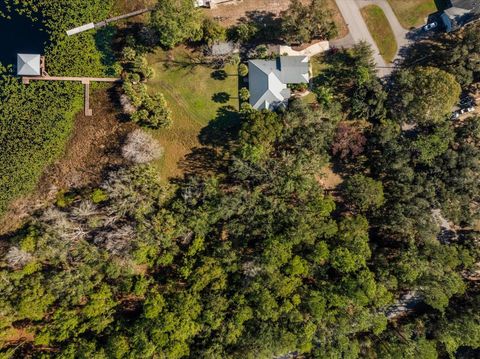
x=398, y=30
x=359, y=31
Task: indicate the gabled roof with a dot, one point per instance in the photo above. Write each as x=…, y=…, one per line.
x=28, y=65
x=268, y=79
x=293, y=69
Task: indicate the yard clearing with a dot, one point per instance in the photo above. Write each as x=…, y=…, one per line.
x=230, y=14
x=201, y=99
x=381, y=31
x=412, y=13
x=328, y=178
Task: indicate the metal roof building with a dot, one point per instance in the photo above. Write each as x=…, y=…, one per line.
x=460, y=13
x=28, y=65
x=268, y=80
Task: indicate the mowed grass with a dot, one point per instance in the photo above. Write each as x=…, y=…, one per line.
x=412, y=13
x=196, y=94
x=381, y=31
x=317, y=65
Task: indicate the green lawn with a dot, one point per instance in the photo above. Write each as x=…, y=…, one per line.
x=317, y=66
x=381, y=31
x=412, y=13
x=197, y=94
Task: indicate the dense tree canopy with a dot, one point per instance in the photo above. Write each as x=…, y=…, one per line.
x=258, y=257
x=456, y=52
x=176, y=21
x=304, y=23
x=250, y=262
x=424, y=95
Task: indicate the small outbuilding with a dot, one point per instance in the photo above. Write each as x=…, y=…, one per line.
x=29, y=65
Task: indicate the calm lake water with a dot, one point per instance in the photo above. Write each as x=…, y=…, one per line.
x=19, y=35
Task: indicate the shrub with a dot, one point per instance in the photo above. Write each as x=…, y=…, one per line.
x=128, y=54
x=243, y=70
x=212, y=31
x=244, y=94
x=261, y=51
x=140, y=147
x=65, y=199
x=245, y=107
x=151, y=111
x=98, y=196
x=136, y=66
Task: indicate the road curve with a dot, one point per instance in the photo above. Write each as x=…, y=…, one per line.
x=358, y=29
x=398, y=30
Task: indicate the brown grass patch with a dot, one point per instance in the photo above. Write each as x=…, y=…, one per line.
x=15, y=335
x=329, y=179
x=230, y=14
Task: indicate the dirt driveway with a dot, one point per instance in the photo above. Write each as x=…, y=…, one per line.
x=229, y=14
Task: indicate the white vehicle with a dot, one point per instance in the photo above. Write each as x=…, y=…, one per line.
x=470, y=109
x=430, y=26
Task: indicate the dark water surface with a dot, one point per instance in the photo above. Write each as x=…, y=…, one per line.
x=19, y=34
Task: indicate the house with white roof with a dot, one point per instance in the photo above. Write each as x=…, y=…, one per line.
x=268, y=80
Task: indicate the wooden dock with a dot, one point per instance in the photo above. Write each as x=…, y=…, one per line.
x=86, y=81
x=91, y=26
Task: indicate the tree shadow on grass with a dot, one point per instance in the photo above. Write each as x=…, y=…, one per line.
x=219, y=75
x=224, y=128
x=221, y=97
x=201, y=161
x=214, y=138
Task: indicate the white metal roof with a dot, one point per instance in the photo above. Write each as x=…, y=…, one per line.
x=268, y=79
x=28, y=65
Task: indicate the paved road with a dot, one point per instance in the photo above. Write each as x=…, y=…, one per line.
x=357, y=27
x=398, y=30
x=312, y=50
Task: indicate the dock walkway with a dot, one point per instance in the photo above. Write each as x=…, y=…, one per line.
x=84, y=80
